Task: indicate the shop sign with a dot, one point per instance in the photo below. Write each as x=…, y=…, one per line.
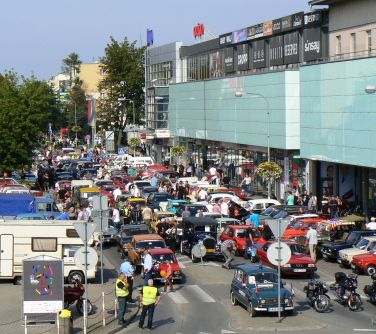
x=276, y=50
x=239, y=36
x=268, y=28
x=297, y=20
x=225, y=39
x=198, y=30
x=256, y=31
x=286, y=23
x=312, y=44
x=229, y=59
x=162, y=133
x=258, y=52
x=277, y=26
x=242, y=57
x=311, y=19
x=291, y=48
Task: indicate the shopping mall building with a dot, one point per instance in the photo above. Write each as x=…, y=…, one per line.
x=301, y=85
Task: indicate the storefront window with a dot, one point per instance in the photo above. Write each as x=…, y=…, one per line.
x=372, y=189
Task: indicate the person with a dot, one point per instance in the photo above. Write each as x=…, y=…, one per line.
x=267, y=233
x=248, y=240
x=226, y=247
x=127, y=269
x=181, y=191
x=312, y=203
x=150, y=297
x=372, y=224
x=185, y=213
x=254, y=218
x=202, y=194
x=216, y=207
x=146, y=215
x=64, y=215
x=168, y=278
x=116, y=217
x=154, y=181
x=333, y=206
x=136, y=215
x=116, y=193
x=246, y=184
x=311, y=241
x=148, y=266
x=290, y=198
x=121, y=290
x=305, y=200
x=224, y=208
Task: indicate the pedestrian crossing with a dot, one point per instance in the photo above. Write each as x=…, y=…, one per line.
x=187, y=294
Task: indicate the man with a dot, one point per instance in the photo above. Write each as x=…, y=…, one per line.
x=168, y=277
x=116, y=193
x=248, y=240
x=148, y=266
x=150, y=297
x=182, y=192
x=267, y=233
x=202, y=194
x=224, y=208
x=333, y=206
x=116, y=217
x=254, y=218
x=305, y=200
x=127, y=269
x=185, y=213
x=121, y=290
x=226, y=247
x=372, y=224
x=311, y=241
x=290, y=198
x=136, y=215
x=154, y=181
x=146, y=215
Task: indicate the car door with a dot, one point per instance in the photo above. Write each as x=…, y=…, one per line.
x=262, y=253
x=238, y=288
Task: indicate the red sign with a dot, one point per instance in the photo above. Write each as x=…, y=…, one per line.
x=198, y=30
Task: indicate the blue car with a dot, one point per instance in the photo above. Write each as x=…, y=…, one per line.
x=256, y=287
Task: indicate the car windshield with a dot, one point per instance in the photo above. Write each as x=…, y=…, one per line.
x=142, y=184
x=240, y=233
x=263, y=278
x=162, y=198
x=362, y=244
x=194, y=209
x=297, y=249
x=281, y=214
x=164, y=257
x=167, y=215
x=151, y=244
x=150, y=190
x=268, y=211
x=133, y=231
x=297, y=225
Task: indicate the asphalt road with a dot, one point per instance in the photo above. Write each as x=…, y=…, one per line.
x=201, y=305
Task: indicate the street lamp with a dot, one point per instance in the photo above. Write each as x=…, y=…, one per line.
x=240, y=94
x=370, y=89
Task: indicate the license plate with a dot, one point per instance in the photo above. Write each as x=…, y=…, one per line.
x=274, y=309
x=300, y=270
x=210, y=250
x=339, y=261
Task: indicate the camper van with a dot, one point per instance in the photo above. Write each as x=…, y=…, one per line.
x=23, y=239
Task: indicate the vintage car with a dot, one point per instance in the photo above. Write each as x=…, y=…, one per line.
x=223, y=222
x=256, y=287
x=363, y=246
x=173, y=205
x=237, y=233
x=300, y=227
x=139, y=243
x=155, y=199
x=365, y=263
x=200, y=230
x=272, y=211
x=300, y=263
x=126, y=234
x=192, y=208
x=134, y=201
x=260, y=204
x=162, y=256
x=161, y=216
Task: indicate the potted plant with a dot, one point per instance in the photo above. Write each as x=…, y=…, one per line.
x=269, y=171
x=133, y=143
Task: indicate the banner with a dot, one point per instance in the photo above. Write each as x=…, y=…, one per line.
x=258, y=52
x=291, y=48
x=239, y=36
x=312, y=46
x=215, y=63
x=91, y=112
x=276, y=50
x=149, y=37
x=242, y=57
x=229, y=60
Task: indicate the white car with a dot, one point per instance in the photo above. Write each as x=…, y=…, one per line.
x=363, y=246
x=260, y=204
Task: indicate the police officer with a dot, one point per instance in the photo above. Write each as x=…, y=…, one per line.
x=128, y=271
x=150, y=297
x=122, y=292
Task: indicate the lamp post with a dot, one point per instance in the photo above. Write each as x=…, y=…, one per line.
x=240, y=94
x=75, y=120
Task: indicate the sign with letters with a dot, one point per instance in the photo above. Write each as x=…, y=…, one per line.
x=276, y=50
x=258, y=53
x=312, y=44
x=242, y=57
x=229, y=59
x=291, y=48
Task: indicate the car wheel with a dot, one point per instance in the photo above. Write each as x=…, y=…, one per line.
x=251, y=310
x=76, y=276
x=370, y=270
x=234, y=301
x=194, y=258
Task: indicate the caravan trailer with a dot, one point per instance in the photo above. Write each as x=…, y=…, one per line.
x=22, y=239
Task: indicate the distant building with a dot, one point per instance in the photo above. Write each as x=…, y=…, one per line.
x=91, y=75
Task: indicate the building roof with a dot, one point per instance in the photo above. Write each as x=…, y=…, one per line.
x=324, y=2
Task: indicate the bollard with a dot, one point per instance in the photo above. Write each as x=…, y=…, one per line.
x=115, y=308
x=65, y=322
x=103, y=311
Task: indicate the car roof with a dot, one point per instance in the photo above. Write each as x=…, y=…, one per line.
x=158, y=251
x=250, y=269
x=200, y=221
x=159, y=213
x=134, y=226
x=147, y=237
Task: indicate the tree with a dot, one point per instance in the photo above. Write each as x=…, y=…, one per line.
x=269, y=171
x=26, y=108
x=123, y=83
x=133, y=143
x=71, y=66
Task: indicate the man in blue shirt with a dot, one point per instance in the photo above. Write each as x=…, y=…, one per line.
x=154, y=181
x=128, y=271
x=254, y=218
x=63, y=216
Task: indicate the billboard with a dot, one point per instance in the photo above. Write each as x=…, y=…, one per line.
x=311, y=19
x=256, y=31
x=225, y=39
x=215, y=63
x=268, y=28
x=258, y=54
x=242, y=57
x=312, y=45
x=291, y=48
x=276, y=50
x=277, y=26
x=239, y=36
x=229, y=60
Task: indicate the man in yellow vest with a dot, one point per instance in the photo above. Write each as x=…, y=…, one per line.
x=122, y=292
x=150, y=297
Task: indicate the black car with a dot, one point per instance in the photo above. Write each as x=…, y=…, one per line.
x=147, y=191
x=126, y=234
x=197, y=230
x=155, y=199
x=330, y=250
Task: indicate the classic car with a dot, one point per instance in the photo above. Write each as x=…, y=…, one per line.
x=162, y=256
x=300, y=227
x=174, y=204
x=192, y=208
x=154, y=199
x=363, y=246
x=161, y=216
x=274, y=210
x=300, y=263
x=237, y=233
x=110, y=234
x=260, y=204
x=223, y=222
x=365, y=263
x=147, y=191
x=197, y=230
x=256, y=287
x=134, y=201
x=126, y=234
x=139, y=243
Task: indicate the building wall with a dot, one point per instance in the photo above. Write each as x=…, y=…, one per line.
x=90, y=74
x=210, y=110
x=337, y=117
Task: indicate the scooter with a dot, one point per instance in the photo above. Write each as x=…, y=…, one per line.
x=74, y=294
x=345, y=290
x=370, y=290
x=317, y=295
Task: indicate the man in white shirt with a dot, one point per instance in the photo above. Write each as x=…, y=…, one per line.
x=202, y=194
x=224, y=208
x=148, y=266
x=372, y=224
x=212, y=171
x=116, y=217
x=312, y=241
x=116, y=193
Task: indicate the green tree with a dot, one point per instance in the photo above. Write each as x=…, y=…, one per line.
x=71, y=66
x=123, y=82
x=26, y=108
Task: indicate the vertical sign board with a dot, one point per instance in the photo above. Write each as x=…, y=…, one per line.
x=258, y=51
x=229, y=59
x=312, y=44
x=276, y=50
x=43, y=288
x=291, y=48
x=242, y=57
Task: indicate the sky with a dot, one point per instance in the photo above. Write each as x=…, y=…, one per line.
x=36, y=35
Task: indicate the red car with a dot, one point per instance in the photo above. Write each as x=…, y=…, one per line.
x=300, y=227
x=237, y=233
x=151, y=170
x=365, y=263
x=160, y=258
x=299, y=264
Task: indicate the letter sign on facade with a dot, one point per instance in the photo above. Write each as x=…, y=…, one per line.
x=198, y=30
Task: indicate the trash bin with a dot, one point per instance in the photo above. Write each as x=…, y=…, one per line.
x=65, y=322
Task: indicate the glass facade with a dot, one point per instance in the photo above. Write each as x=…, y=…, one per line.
x=157, y=101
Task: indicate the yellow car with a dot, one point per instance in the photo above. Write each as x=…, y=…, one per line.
x=159, y=216
x=136, y=201
x=86, y=195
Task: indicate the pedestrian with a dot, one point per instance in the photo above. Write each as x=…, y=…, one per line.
x=136, y=215
x=185, y=213
x=312, y=203
x=181, y=191
x=305, y=200
x=169, y=280
x=148, y=266
x=290, y=198
x=311, y=241
x=246, y=184
x=116, y=217
x=333, y=207
x=121, y=290
x=127, y=269
x=227, y=246
x=248, y=240
x=146, y=215
x=255, y=219
x=150, y=297
x=224, y=208
x=116, y=193
x=267, y=233
x=372, y=224
x=202, y=194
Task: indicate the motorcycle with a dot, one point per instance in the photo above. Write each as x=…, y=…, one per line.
x=345, y=290
x=316, y=292
x=370, y=290
x=74, y=294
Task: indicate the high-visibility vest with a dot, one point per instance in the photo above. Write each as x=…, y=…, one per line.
x=149, y=295
x=120, y=292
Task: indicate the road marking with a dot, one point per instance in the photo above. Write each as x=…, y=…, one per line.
x=181, y=264
x=212, y=264
x=364, y=330
x=186, y=261
x=177, y=297
x=225, y=331
x=200, y=293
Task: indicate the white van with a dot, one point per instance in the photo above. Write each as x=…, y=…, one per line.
x=23, y=239
x=132, y=161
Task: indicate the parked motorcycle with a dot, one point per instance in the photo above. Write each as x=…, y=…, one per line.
x=370, y=290
x=345, y=290
x=74, y=294
x=317, y=295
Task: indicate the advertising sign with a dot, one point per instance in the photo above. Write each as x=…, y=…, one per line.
x=286, y=23
x=256, y=31
x=268, y=28
x=277, y=26
x=225, y=39
x=297, y=20
x=312, y=19
x=346, y=182
x=291, y=48
x=242, y=57
x=312, y=46
x=198, y=30
x=215, y=63
x=43, y=288
x=229, y=60
x=258, y=52
x=239, y=36
x=276, y=50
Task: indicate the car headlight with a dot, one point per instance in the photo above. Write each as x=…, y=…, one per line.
x=287, y=300
x=262, y=301
x=287, y=265
x=311, y=265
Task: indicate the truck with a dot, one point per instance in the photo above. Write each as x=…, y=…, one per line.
x=23, y=239
x=13, y=204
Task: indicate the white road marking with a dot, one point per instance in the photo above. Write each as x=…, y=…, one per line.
x=177, y=297
x=364, y=330
x=186, y=261
x=225, y=331
x=200, y=293
x=212, y=264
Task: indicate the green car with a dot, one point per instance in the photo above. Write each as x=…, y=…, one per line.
x=174, y=204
